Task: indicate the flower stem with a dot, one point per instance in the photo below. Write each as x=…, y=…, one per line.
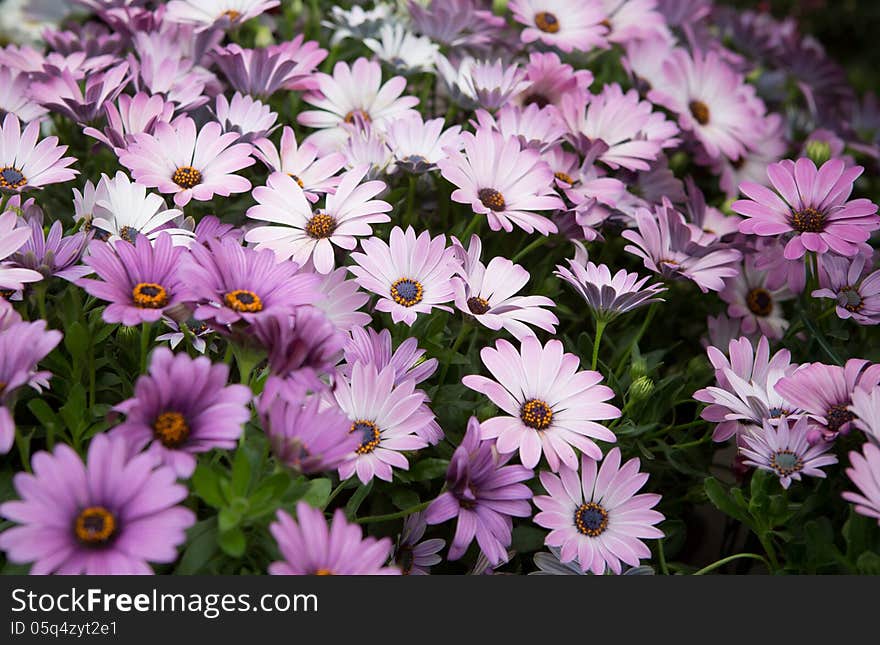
x=622, y=361
x=335, y=492
x=731, y=558
x=534, y=244
x=462, y=334
x=394, y=516
x=145, y=345
x=600, y=329
x=410, y=201
x=661, y=556
x=472, y=227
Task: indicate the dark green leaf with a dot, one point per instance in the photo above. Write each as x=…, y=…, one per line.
x=232, y=542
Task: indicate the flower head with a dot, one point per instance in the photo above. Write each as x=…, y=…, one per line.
x=481, y=83
x=51, y=254
x=866, y=407
x=207, y=14
x=413, y=555
x=402, y=50
x=26, y=164
x=759, y=307
x=12, y=238
x=134, y=115
x=313, y=173
x=248, y=118
x=597, y=517
x=864, y=472
x=857, y=296
x=111, y=515
x=418, y=145
x=263, y=71
x=565, y=24
x=784, y=449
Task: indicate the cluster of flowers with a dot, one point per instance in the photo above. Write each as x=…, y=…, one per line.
x=532, y=140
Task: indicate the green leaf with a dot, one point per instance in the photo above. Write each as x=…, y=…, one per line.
x=229, y=518
x=241, y=473
x=404, y=498
x=869, y=563
x=44, y=413
x=268, y=493
x=861, y=534
x=232, y=542
x=74, y=410
x=202, y=545
x=206, y=482
x=528, y=538
x=428, y=469
x=723, y=502
x=317, y=493
x=76, y=340
x=357, y=499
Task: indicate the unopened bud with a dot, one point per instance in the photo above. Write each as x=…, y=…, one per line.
x=818, y=151
x=638, y=369
x=641, y=389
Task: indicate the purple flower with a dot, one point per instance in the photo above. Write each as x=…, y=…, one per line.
x=63, y=95
x=812, y=205
x=135, y=115
x=483, y=493
x=550, y=80
x=825, y=393
x=14, y=96
x=22, y=346
x=306, y=436
x=341, y=300
x=181, y=408
x=248, y=118
x=52, y=254
x=231, y=283
x=413, y=556
x=211, y=228
x=456, y=23
x=13, y=238
x=191, y=165
x=564, y=24
x=864, y=472
x=596, y=517
x=549, y=406
x=263, y=71
x=26, y=164
x=141, y=281
x=111, y=515
x=310, y=547
x=857, y=295
x=313, y=173
x=665, y=243
x=760, y=308
x=866, y=407
x=784, y=449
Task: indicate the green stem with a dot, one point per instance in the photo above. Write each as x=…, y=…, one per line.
x=731, y=558
x=661, y=556
x=40, y=291
x=472, y=227
x=410, y=201
x=600, y=329
x=534, y=244
x=462, y=334
x=145, y=346
x=335, y=492
x=771, y=552
x=394, y=516
x=648, y=318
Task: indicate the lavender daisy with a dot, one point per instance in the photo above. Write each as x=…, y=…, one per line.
x=263, y=71
x=596, y=517
x=784, y=449
x=411, y=274
x=341, y=300
x=183, y=407
x=550, y=406
x=413, y=555
x=864, y=472
x=245, y=116
x=565, y=24
x=310, y=547
x=866, y=407
x=760, y=308
x=483, y=494
x=50, y=254
x=857, y=296
x=477, y=83
x=26, y=164
x=418, y=145
x=111, y=515
x=313, y=173
x=12, y=238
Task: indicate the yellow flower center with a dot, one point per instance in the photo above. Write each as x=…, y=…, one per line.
x=94, y=526
x=536, y=414
x=371, y=436
x=171, y=429
x=244, y=301
x=546, y=22
x=407, y=292
x=321, y=226
x=149, y=295
x=186, y=177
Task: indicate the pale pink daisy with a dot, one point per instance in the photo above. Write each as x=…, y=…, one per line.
x=864, y=472
x=248, y=118
x=502, y=181
x=315, y=173
x=844, y=280
x=550, y=405
x=343, y=300
x=481, y=83
x=387, y=418
x=866, y=407
x=633, y=20
x=488, y=294
x=134, y=115
x=749, y=298
x=207, y=14
x=597, y=518
x=26, y=164
x=549, y=79
x=304, y=233
x=191, y=165
x=566, y=24
x=534, y=126
x=411, y=274
x=418, y=145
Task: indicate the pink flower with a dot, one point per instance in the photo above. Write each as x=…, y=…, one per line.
x=785, y=451
x=566, y=24
x=549, y=79
x=26, y=164
x=748, y=297
x=865, y=474
x=857, y=295
x=550, y=406
x=313, y=172
x=811, y=204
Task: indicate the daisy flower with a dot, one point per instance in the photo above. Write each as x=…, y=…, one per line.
x=633, y=20
x=311, y=548
x=304, y=233
x=551, y=407
x=231, y=283
x=263, y=71
x=113, y=514
x=483, y=493
x=403, y=50
x=418, y=145
x=125, y=210
x=458, y=24
x=22, y=346
x=50, y=254
x=565, y=24
x=341, y=300
x=63, y=95
x=413, y=555
x=634, y=133
x=183, y=407
x=746, y=394
x=549, y=79
x=191, y=165
x=207, y=14
x=385, y=416
x=488, y=294
x=535, y=127
x=609, y=296
x=844, y=280
x=248, y=118
x=15, y=98
x=864, y=472
x=760, y=308
x=825, y=393
x=12, y=238
x=502, y=181
x=596, y=516
x=766, y=148
x=315, y=173
x=129, y=116
x=785, y=451
x=411, y=275
x=866, y=407
x=550, y=564
x=812, y=207
x=711, y=101
x=26, y=164
x=353, y=94
x=479, y=83
x=141, y=281
x=664, y=242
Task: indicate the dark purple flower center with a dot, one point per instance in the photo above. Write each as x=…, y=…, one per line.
x=785, y=462
x=538, y=99
x=12, y=178
x=129, y=234
x=171, y=429
x=546, y=22
x=149, y=295
x=94, y=526
x=536, y=414
x=477, y=305
x=850, y=299
x=244, y=301
x=760, y=302
x=370, y=436
x=837, y=416
x=591, y=519
x=808, y=220
x=186, y=177
x=197, y=326
x=492, y=199
x=321, y=226
x=407, y=292
x=405, y=559
x=700, y=111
